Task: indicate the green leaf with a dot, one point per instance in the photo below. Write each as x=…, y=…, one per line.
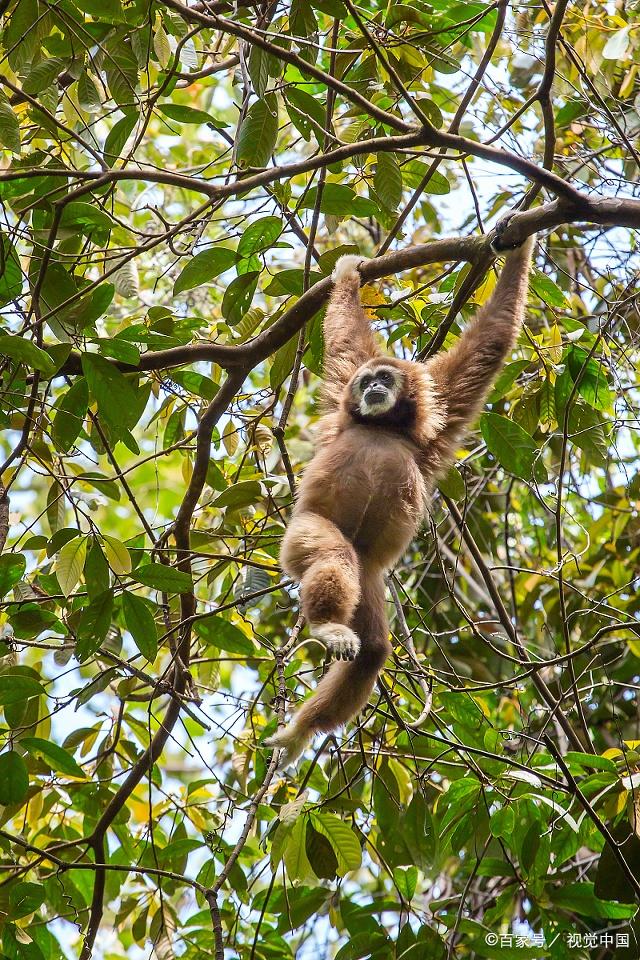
x=25, y=898
x=339, y=200
x=587, y=431
x=9, y=127
x=195, y=383
x=580, y=898
x=99, y=482
x=183, y=114
x=512, y=446
x=406, y=881
x=217, y=632
x=121, y=70
x=502, y=822
x=10, y=273
x=141, y=625
x=71, y=410
x=14, y=779
x=547, y=290
x=15, y=687
x=290, y=281
x=88, y=95
x=119, y=349
x=303, y=109
x=547, y=402
x=42, y=75
x=452, y=485
x=258, y=65
x=25, y=351
x=12, y=567
x=570, y=111
x=203, y=268
x=238, y=296
x=258, y=134
x=283, y=363
x=437, y=184
x=118, y=136
x=94, y=625
x=70, y=564
x=387, y=181
x=165, y=579
x=259, y=236
x=342, y=839
x=590, y=378
x=87, y=219
x=116, y=398
x=53, y=755
x=295, y=852
x=243, y=494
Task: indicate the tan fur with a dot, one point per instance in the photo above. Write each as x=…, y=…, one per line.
x=364, y=493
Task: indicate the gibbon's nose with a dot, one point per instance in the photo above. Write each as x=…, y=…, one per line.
x=376, y=392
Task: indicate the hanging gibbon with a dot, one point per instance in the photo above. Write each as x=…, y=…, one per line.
x=389, y=430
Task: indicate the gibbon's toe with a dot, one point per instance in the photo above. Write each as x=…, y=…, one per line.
x=341, y=641
x=348, y=266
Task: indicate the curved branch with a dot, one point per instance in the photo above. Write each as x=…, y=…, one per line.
x=605, y=212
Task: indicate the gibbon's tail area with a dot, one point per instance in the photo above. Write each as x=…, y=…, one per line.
x=346, y=687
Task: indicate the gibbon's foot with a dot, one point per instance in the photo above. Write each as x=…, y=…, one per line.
x=347, y=266
x=500, y=229
x=341, y=641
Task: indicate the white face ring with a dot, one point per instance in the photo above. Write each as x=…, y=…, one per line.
x=368, y=408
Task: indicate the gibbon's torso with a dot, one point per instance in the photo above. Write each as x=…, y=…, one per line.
x=366, y=480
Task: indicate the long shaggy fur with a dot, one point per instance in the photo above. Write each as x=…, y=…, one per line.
x=364, y=493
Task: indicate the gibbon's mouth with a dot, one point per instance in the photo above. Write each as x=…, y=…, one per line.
x=374, y=397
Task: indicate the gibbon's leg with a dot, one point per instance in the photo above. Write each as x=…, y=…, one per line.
x=348, y=339
x=315, y=552
x=346, y=687
x=464, y=374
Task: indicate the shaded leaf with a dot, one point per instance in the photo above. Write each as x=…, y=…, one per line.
x=14, y=779
x=52, y=754
x=258, y=134
x=204, y=267
x=166, y=579
x=141, y=625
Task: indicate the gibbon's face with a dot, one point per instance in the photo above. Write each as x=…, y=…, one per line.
x=376, y=390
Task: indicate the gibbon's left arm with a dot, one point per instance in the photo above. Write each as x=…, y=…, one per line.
x=464, y=374
x=348, y=339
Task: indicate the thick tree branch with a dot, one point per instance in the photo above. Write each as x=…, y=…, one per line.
x=605, y=212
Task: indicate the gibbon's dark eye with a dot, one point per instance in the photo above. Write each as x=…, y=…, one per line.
x=364, y=383
x=385, y=376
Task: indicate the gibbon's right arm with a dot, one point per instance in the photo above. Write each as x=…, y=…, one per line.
x=464, y=374
x=348, y=339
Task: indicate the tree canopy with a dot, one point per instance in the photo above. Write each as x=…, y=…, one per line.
x=176, y=183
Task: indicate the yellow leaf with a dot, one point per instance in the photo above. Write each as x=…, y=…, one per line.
x=70, y=564
x=230, y=438
x=555, y=344
x=118, y=556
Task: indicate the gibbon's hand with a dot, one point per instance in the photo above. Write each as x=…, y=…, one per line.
x=496, y=243
x=346, y=266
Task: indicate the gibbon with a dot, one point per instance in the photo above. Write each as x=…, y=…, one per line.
x=389, y=430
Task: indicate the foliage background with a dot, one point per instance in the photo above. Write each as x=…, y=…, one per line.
x=176, y=185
